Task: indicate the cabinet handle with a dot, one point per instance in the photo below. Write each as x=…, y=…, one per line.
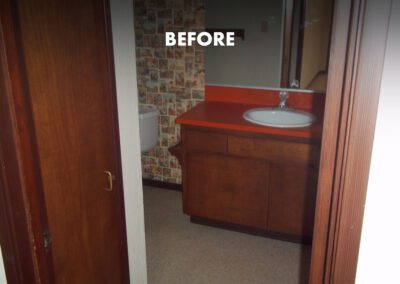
x=111, y=177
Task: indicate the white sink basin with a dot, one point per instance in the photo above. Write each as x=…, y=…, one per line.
x=282, y=118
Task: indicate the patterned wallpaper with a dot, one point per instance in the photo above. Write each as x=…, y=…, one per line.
x=170, y=77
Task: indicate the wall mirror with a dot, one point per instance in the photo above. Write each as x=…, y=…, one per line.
x=278, y=44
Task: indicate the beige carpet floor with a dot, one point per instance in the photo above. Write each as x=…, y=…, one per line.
x=180, y=252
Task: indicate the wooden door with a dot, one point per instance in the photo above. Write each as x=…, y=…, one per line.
x=227, y=189
x=65, y=48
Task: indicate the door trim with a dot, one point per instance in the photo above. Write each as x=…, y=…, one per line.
x=355, y=72
x=21, y=196
x=287, y=42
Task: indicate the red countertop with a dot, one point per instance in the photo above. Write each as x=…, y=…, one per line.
x=223, y=108
x=229, y=116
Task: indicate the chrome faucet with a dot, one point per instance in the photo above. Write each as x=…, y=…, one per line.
x=283, y=97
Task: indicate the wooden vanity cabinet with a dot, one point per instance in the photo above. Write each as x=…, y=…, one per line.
x=255, y=181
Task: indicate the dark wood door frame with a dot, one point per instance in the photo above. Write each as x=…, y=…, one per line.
x=21, y=200
x=287, y=42
x=356, y=60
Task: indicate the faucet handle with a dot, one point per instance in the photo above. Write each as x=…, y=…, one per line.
x=283, y=95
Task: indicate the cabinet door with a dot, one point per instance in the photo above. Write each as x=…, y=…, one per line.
x=227, y=189
x=292, y=199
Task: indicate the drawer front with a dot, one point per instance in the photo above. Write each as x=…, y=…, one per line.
x=206, y=141
x=273, y=150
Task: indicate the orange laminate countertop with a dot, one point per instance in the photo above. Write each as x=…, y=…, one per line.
x=229, y=116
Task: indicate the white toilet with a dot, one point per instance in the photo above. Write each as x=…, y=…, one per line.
x=148, y=123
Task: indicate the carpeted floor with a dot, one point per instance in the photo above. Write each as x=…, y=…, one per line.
x=180, y=252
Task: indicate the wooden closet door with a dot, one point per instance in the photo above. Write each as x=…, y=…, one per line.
x=65, y=45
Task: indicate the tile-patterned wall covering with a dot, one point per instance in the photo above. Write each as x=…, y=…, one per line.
x=170, y=77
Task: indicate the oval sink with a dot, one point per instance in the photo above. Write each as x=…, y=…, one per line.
x=282, y=118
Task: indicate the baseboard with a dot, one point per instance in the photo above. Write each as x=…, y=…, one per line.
x=251, y=231
x=162, y=184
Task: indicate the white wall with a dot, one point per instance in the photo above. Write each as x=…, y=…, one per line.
x=127, y=96
x=379, y=258
x=2, y=272
x=256, y=61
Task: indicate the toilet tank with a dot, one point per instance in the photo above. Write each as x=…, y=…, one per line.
x=148, y=123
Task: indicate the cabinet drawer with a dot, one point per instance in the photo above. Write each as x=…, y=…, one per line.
x=206, y=141
x=273, y=150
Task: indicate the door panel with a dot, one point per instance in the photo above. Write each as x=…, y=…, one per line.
x=70, y=82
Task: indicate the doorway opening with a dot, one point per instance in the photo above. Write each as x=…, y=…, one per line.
x=286, y=48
